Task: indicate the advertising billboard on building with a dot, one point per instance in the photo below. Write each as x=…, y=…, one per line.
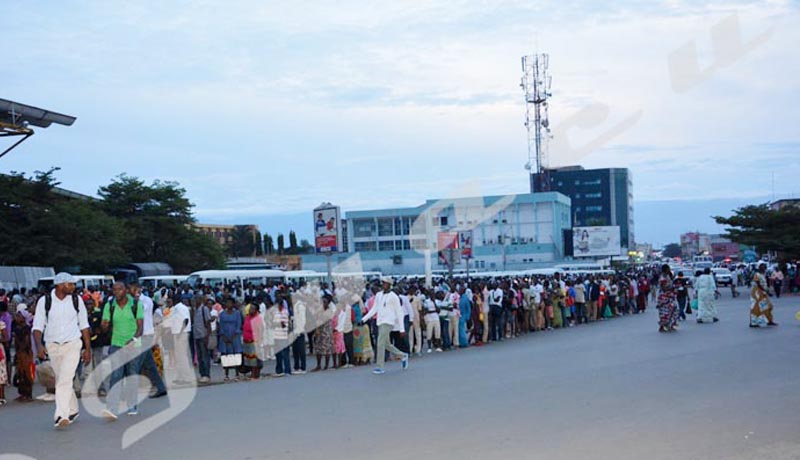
x=465, y=244
x=596, y=241
x=327, y=229
x=445, y=241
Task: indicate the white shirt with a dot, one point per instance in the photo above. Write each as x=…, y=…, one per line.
x=63, y=324
x=496, y=297
x=387, y=308
x=537, y=293
x=406, y=305
x=299, y=318
x=181, y=314
x=344, y=322
x=147, y=325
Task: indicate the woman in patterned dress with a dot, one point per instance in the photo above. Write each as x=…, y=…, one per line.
x=323, y=335
x=667, y=303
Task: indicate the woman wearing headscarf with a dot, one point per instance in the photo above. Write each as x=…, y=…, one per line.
x=667, y=303
x=706, y=287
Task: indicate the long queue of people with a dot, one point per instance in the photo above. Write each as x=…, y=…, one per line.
x=177, y=336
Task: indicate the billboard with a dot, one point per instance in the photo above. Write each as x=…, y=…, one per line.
x=446, y=240
x=465, y=244
x=596, y=241
x=327, y=229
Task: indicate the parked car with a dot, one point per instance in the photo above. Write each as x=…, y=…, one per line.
x=723, y=276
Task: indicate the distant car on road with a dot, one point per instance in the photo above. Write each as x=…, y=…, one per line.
x=723, y=276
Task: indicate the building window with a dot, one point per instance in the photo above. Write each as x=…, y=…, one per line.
x=593, y=195
x=594, y=209
x=386, y=246
x=385, y=227
x=406, y=245
x=363, y=228
x=592, y=182
x=443, y=221
x=365, y=246
x=577, y=182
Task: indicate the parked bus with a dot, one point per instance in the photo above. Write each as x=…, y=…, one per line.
x=84, y=282
x=241, y=277
x=153, y=282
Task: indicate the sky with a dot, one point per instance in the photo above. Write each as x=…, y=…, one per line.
x=263, y=110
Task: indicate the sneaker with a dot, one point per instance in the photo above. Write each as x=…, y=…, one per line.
x=108, y=415
x=203, y=380
x=158, y=395
x=439, y=350
x=279, y=375
x=61, y=423
x=133, y=411
x=429, y=350
x=300, y=372
x=404, y=362
x=73, y=418
x=378, y=371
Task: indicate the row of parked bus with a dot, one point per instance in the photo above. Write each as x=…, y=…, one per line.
x=264, y=276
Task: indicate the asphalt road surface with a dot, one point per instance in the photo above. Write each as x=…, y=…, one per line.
x=614, y=390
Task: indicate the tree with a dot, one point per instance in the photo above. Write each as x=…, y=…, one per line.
x=306, y=247
x=242, y=242
x=157, y=224
x=259, y=245
x=280, y=244
x=269, y=245
x=672, y=250
x=43, y=228
x=765, y=229
x=293, y=249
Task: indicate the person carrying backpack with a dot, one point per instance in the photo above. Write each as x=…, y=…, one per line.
x=59, y=326
x=124, y=317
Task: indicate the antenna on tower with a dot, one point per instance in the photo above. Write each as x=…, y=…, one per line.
x=536, y=82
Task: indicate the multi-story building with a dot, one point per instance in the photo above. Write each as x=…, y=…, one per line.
x=223, y=234
x=508, y=233
x=599, y=197
x=695, y=243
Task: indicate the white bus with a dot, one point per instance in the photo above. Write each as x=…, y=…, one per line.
x=153, y=282
x=242, y=277
x=306, y=276
x=84, y=282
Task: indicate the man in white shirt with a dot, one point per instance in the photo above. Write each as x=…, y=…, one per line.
x=148, y=366
x=390, y=316
x=299, y=331
x=181, y=327
x=344, y=325
x=62, y=320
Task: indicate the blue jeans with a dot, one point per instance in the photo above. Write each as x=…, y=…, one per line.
x=445, y=323
x=497, y=325
x=149, y=369
x=299, y=352
x=283, y=363
x=129, y=370
x=203, y=357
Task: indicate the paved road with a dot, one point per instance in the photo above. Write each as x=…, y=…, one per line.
x=617, y=390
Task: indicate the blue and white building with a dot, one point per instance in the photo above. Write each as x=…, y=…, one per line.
x=511, y=232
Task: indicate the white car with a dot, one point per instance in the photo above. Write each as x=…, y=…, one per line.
x=723, y=276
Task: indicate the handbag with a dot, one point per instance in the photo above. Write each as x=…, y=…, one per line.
x=233, y=360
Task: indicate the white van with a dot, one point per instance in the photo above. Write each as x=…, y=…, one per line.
x=84, y=282
x=242, y=277
x=153, y=282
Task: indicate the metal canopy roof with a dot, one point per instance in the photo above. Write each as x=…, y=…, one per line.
x=17, y=114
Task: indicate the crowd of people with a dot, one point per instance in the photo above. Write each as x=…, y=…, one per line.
x=175, y=336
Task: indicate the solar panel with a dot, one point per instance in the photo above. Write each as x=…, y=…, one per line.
x=16, y=114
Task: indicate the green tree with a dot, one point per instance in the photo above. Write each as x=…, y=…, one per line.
x=242, y=242
x=157, y=222
x=44, y=228
x=306, y=247
x=281, y=249
x=293, y=248
x=259, y=245
x=672, y=250
x=269, y=245
x=765, y=229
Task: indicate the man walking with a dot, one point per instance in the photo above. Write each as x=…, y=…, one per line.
x=124, y=316
x=390, y=316
x=62, y=321
x=201, y=329
x=148, y=363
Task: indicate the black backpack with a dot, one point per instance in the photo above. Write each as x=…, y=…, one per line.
x=110, y=304
x=48, y=303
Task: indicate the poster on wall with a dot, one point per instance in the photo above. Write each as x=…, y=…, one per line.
x=327, y=229
x=596, y=241
x=465, y=244
x=447, y=241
